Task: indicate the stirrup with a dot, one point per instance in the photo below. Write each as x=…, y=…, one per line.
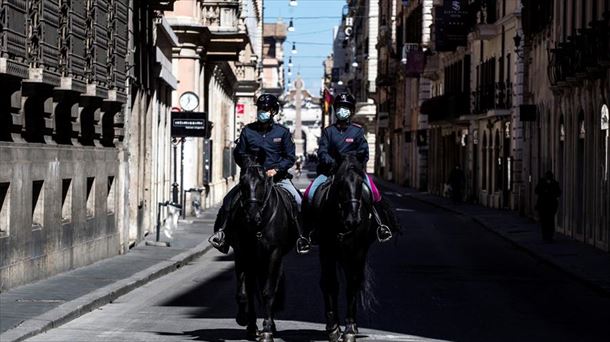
x=306, y=247
x=387, y=236
x=217, y=240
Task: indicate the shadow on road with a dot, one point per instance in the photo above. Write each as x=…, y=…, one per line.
x=222, y=335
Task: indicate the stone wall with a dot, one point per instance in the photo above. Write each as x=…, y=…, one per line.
x=58, y=206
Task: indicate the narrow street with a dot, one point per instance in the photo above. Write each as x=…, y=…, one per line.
x=444, y=279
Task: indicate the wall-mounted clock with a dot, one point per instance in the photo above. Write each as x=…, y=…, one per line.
x=189, y=101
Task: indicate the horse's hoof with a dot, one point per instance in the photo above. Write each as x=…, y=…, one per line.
x=334, y=335
x=252, y=332
x=349, y=337
x=242, y=318
x=266, y=337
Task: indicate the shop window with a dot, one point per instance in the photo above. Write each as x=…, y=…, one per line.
x=37, y=204
x=484, y=163
x=498, y=162
x=5, y=209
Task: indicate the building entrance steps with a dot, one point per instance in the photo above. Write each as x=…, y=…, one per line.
x=31, y=309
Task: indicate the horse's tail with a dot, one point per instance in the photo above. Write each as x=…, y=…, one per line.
x=367, y=295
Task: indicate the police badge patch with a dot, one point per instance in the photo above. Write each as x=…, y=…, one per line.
x=277, y=140
x=349, y=140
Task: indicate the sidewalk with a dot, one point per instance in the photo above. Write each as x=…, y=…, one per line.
x=31, y=309
x=583, y=262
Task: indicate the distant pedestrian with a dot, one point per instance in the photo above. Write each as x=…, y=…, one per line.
x=456, y=181
x=548, y=192
x=298, y=165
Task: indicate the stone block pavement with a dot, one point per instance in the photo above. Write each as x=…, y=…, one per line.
x=31, y=309
x=579, y=260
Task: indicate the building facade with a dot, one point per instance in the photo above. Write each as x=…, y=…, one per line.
x=217, y=58
x=66, y=142
x=509, y=90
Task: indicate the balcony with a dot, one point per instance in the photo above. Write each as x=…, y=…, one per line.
x=219, y=32
x=247, y=78
x=492, y=97
x=447, y=107
x=227, y=30
x=537, y=15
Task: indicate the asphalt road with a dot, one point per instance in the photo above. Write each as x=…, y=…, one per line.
x=446, y=279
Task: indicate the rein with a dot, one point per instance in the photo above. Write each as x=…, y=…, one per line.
x=264, y=202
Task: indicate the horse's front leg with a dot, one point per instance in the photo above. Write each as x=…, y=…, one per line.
x=246, y=314
x=274, y=275
x=241, y=295
x=330, y=291
x=354, y=275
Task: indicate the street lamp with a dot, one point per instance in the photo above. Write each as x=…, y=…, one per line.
x=293, y=3
x=518, y=48
x=290, y=61
x=291, y=26
x=289, y=72
x=355, y=64
x=294, y=49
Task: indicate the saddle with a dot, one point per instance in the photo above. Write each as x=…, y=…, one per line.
x=287, y=197
x=321, y=194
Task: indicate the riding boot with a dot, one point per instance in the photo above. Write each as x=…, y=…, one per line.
x=217, y=240
x=303, y=243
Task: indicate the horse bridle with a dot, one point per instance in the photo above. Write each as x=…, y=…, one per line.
x=341, y=236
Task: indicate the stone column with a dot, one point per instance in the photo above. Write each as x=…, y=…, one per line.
x=298, y=135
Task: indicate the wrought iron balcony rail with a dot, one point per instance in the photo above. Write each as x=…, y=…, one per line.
x=492, y=96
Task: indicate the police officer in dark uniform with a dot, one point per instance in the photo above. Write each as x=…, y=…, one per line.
x=273, y=145
x=339, y=139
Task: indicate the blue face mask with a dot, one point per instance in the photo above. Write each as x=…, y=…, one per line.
x=263, y=116
x=343, y=113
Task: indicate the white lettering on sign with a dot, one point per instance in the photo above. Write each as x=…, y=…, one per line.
x=189, y=124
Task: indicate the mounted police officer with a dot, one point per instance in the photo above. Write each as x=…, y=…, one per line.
x=273, y=145
x=337, y=140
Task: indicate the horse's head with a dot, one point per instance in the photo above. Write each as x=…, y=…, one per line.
x=253, y=187
x=349, y=180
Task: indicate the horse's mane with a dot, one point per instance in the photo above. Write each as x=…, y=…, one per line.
x=350, y=162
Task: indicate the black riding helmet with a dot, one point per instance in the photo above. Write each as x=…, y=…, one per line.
x=345, y=100
x=268, y=102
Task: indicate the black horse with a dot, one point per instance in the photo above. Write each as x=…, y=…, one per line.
x=263, y=231
x=344, y=240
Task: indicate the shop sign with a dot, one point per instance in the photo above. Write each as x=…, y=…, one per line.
x=451, y=21
x=189, y=124
x=605, y=117
x=240, y=109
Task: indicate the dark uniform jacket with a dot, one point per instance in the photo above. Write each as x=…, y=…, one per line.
x=335, y=143
x=273, y=147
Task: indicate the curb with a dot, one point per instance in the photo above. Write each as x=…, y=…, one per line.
x=102, y=296
x=603, y=289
